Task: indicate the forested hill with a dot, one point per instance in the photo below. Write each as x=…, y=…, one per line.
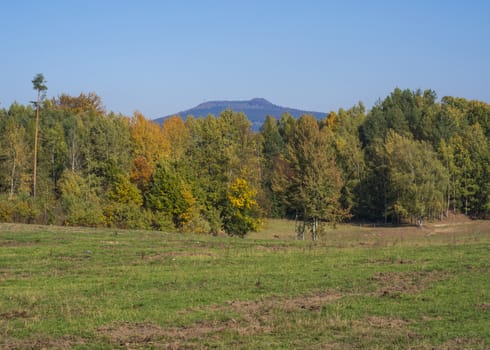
x=255, y=109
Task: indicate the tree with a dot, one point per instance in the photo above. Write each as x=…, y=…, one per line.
x=417, y=179
x=166, y=197
x=272, y=148
x=109, y=150
x=241, y=211
x=124, y=205
x=15, y=148
x=221, y=150
x=207, y=162
x=310, y=180
x=472, y=165
x=349, y=154
x=404, y=111
x=80, y=204
x=84, y=103
x=55, y=151
x=149, y=147
x=176, y=136
x=148, y=139
x=39, y=85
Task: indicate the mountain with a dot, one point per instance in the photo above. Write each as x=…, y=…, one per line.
x=255, y=109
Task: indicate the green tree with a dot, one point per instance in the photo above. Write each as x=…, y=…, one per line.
x=221, y=150
x=349, y=155
x=417, y=179
x=207, y=164
x=165, y=196
x=39, y=84
x=404, y=111
x=310, y=179
x=124, y=205
x=55, y=151
x=80, y=204
x=108, y=149
x=15, y=151
x=472, y=164
x=272, y=148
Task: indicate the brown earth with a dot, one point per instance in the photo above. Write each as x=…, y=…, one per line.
x=44, y=343
x=393, y=284
x=253, y=317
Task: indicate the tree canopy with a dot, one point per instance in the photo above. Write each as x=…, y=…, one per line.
x=410, y=158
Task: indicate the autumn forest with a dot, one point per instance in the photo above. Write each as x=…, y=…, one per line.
x=410, y=158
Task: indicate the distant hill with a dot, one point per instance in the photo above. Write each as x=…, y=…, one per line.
x=255, y=109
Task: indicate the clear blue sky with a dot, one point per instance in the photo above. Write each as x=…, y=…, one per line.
x=161, y=57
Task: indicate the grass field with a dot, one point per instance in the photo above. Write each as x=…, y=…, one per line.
x=358, y=288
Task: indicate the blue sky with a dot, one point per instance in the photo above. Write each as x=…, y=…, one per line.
x=160, y=57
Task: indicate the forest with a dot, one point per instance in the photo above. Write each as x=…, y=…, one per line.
x=410, y=158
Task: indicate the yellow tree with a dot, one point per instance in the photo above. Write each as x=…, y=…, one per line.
x=177, y=137
x=241, y=213
x=90, y=102
x=150, y=146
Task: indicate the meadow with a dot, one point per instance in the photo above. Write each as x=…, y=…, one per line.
x=359, y=287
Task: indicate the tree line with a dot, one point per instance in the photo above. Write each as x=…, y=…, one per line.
x=66, y=160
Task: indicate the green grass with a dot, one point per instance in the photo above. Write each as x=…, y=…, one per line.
x=358, y=288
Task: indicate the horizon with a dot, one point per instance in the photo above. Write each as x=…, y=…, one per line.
x=160, y=58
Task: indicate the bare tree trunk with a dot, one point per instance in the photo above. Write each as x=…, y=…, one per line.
x=314, y=229
x=300, y=228
x=303, y=229
x=448, y=203
x=73, y=152
x=12, y=182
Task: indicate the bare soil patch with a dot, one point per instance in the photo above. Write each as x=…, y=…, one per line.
x=259, y=308
x=483, y=307
x=272, y=248
x=175, y=254
x=253, y=317
x=142, y=335
x=14, y=314
x=462, y=344
x=390, y=261
x=385, y=322
x=393, y=284
x=63, y=343
x=11, y=243
x=366, y=333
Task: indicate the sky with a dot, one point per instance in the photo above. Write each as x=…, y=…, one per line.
x=162, y=57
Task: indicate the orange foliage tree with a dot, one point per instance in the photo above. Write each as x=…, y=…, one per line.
x=150, y=146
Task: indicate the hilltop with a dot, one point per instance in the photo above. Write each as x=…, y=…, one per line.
x=255, y=109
